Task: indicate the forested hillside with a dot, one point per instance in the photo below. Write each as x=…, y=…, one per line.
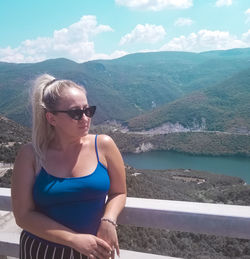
x=195, y=143
x=158, y=87
x=223, y=107
x=182, y=185
x=12, y=135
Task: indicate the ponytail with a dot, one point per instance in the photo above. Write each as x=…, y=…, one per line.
x=42, y=131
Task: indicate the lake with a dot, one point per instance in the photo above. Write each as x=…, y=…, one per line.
x=233, y=165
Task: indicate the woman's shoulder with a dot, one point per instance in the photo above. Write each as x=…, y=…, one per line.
x=27, y=153
x=107, y=145
x=25, y=160
x=105, y=140
x=27, y=149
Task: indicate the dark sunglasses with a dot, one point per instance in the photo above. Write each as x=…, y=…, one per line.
x=78, y=113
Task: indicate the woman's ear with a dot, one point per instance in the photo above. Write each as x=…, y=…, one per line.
x=50, y=118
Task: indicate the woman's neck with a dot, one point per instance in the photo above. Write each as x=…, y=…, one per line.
x=64, y=144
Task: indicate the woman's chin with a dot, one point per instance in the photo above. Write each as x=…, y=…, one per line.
x=84, y=131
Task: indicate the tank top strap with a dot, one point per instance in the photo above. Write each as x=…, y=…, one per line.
x=96, y=149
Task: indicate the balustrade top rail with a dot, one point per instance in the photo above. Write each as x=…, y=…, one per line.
x=206, y=218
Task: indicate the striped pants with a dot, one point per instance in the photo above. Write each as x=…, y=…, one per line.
x=34, y=248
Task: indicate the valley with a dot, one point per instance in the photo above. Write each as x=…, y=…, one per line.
x=183, y=102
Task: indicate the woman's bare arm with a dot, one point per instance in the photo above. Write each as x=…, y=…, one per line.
x=117, y=193
x=28, y=218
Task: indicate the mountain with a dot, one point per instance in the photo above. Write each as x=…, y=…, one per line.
x=12, y=135
x=131, y=86
x=224, y=107
x=11, y=131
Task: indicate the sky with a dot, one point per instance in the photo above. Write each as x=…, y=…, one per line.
x=82, y=30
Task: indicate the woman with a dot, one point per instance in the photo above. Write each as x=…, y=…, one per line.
x=61, y=180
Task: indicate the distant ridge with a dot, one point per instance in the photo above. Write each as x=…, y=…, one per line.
x=229, y=52
x=143, y=85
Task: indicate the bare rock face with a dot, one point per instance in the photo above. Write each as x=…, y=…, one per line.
x=177, y=127
x=144, y=147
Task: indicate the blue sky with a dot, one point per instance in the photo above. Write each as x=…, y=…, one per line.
x=83, y=30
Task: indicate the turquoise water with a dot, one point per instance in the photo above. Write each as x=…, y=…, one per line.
x=233, y=166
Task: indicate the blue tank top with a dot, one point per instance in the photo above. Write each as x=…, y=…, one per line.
x=76, y=202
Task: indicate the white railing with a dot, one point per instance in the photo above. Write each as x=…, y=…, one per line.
x=206, y=218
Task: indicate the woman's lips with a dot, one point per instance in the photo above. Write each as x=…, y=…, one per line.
x=84, y=127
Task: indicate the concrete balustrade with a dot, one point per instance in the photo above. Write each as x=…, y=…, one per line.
x=206, y=218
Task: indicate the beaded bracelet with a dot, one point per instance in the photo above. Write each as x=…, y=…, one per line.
x=110, y=221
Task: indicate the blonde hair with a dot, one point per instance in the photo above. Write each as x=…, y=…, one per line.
x=46, y=95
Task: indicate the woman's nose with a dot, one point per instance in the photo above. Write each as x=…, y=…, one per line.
x=84, y=117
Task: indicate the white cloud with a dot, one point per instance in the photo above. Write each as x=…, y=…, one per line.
x=74, y=42
x=147, y=33
x=205, y=40
x=247, y=13
x=113, y=55
x=155, y=5
x=220, y=3
x=246, y=37
x=183, y=22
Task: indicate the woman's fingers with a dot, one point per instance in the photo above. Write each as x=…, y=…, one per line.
x=113, y=254
x=106, y=247
x=117, y=249
x=104, y=244
x=104, y=250
x=98, y=254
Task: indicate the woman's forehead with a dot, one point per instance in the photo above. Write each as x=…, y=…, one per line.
x=73, y=96
x=72, y=92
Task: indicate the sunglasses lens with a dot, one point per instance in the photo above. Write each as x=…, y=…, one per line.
x=90, y=111
x=77, y=114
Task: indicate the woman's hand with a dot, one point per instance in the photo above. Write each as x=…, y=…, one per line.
x=91, y=246
x=107, y=232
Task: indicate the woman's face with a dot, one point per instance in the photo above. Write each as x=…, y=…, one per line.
x=71, y=98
